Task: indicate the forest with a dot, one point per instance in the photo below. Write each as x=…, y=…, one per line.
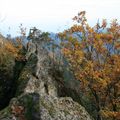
x=90, y=56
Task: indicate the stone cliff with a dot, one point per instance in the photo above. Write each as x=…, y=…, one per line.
x=37, y=96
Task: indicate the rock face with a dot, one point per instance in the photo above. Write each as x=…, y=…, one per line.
x=37, y=95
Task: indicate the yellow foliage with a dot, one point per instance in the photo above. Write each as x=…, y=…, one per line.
x=8, y=50
x=95, y=61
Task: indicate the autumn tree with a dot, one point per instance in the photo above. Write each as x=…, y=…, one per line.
x=93, y=54
x=11, y=53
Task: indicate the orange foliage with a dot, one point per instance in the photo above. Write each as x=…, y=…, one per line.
x=94, y=58
x=9, y=49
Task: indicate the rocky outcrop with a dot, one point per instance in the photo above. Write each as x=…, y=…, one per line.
x=37, y=95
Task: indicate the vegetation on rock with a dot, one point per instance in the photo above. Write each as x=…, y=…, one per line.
x=11, y=57
x=36, y=73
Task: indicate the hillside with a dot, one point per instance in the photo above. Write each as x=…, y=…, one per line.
x=70, y=75
x=37, y=94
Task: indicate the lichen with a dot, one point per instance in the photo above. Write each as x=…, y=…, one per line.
x=48, y=106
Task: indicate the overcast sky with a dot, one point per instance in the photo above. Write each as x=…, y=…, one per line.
x=53, y=15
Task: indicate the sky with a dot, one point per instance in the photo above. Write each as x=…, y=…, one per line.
x=53, y=15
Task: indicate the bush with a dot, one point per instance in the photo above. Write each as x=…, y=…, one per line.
x=10, y=52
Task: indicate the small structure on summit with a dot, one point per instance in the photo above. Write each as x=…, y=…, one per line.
x=34, y=33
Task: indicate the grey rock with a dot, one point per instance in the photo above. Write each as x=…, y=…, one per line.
x=37, y=94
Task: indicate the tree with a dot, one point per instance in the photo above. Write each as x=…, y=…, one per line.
x=93, y=54
x=12, y=60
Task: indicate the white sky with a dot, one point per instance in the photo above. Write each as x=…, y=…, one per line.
x=53, y=15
